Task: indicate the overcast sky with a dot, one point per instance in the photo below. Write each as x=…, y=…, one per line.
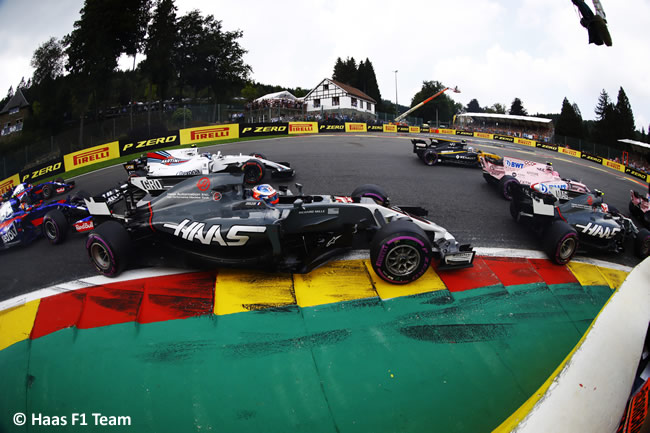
x=493, y=51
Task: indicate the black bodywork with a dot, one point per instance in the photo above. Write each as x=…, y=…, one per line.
x=598, y=227
x=440, y=150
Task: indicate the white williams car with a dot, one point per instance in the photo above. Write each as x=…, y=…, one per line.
x=189, y=162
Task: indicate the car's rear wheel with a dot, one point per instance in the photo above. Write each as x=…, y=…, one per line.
x=505, y=186
x=55, y=226
x=400, y=252
x=48, y=191
x=108, y=247
x=253, y=172
x=560, y=242
x=374, y=192
x=642, y=243
x=430, y=157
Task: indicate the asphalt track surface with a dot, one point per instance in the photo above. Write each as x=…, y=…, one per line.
x=457, y=198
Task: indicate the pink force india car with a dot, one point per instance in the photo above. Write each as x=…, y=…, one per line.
x=640, y=206
x=506, y=172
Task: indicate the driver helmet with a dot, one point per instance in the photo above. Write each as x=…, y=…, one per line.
x=604, y=207
x=19, y=189
x=549, y=166
x=266, y=193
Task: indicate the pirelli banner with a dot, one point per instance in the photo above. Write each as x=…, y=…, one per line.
x=303, y=128
x=390, y=128
x=615, y=165
x=9, y=183
x=546, y=146
x=325, y=128
x=414, y=129
x=483, y=135
x=465, y=133
x=567, y=151
x=127, y=147
x=531, y=143
x=590, y=157
x=48, y=169
x=263, y=129
x=446, y=131
x=92, y=155
x=207, y=134
x=375, y=128
x=355, y=127
x=503, y=138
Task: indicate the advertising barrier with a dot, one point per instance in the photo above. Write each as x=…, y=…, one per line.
x=303, y=128
x=503, y=138
x=636, y=173
x=330, y=128
x=48, y=169
x=375, y=128
x=355, y=127
x=547, y=146
x=414, y=129
x=447, y=131
x=128, y=147
x=425, y=129
x=263, y=129
x=614, y=165
x=527, y=142
x=401, y=128
x=567, y=151
x=390, y=128
x=9, y=183
x=483, y=135
x=92, y=155
x=208, y=133
x=465, y=133
x=591, y=157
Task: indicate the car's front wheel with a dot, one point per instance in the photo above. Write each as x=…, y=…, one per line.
x=400, y=252
x=108, y=247
x=253, y=172
x=642, y=243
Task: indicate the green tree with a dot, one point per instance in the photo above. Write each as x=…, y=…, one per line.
x=132, y=25
x=496, y=108
x=517, y=108
x=367, y=80
x=624, y=116
x=569, y=123
x=443, y=105
x=346, y=72
x=48, y=61
x=605, y=127
x=474, y=107
x=160, y=45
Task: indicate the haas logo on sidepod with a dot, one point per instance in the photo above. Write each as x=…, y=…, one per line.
x=598, y=230
x=192, y=230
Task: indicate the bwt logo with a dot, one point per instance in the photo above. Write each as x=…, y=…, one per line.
x=513, y=164
x=301, y=128
x=93, y=155
x=209, y=133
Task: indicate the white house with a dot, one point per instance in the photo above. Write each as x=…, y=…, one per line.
x=332, y=95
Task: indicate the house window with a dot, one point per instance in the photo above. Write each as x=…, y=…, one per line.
x=326, y=86
x=335, y=100
x=354, y=102
x=316, y=103
x=14, y=110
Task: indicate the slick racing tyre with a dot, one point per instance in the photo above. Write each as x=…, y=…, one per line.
x=560, y=242
x=55, y=226
x=253, y=172
x=48, y=191
x=430, y=157
x=642, y=243
x=505, y=186
x=374, y=192
x=400, y=252
x=108, y=247
x=257, y=155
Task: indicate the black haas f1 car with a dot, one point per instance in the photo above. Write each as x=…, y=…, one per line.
x=640, y=206
x=584, y=222
x=440, y=150
x=215, y=218
x=189, y=162
x=24, y=220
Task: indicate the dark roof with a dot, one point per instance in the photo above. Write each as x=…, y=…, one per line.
x=16, y=101
x=353, y=91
